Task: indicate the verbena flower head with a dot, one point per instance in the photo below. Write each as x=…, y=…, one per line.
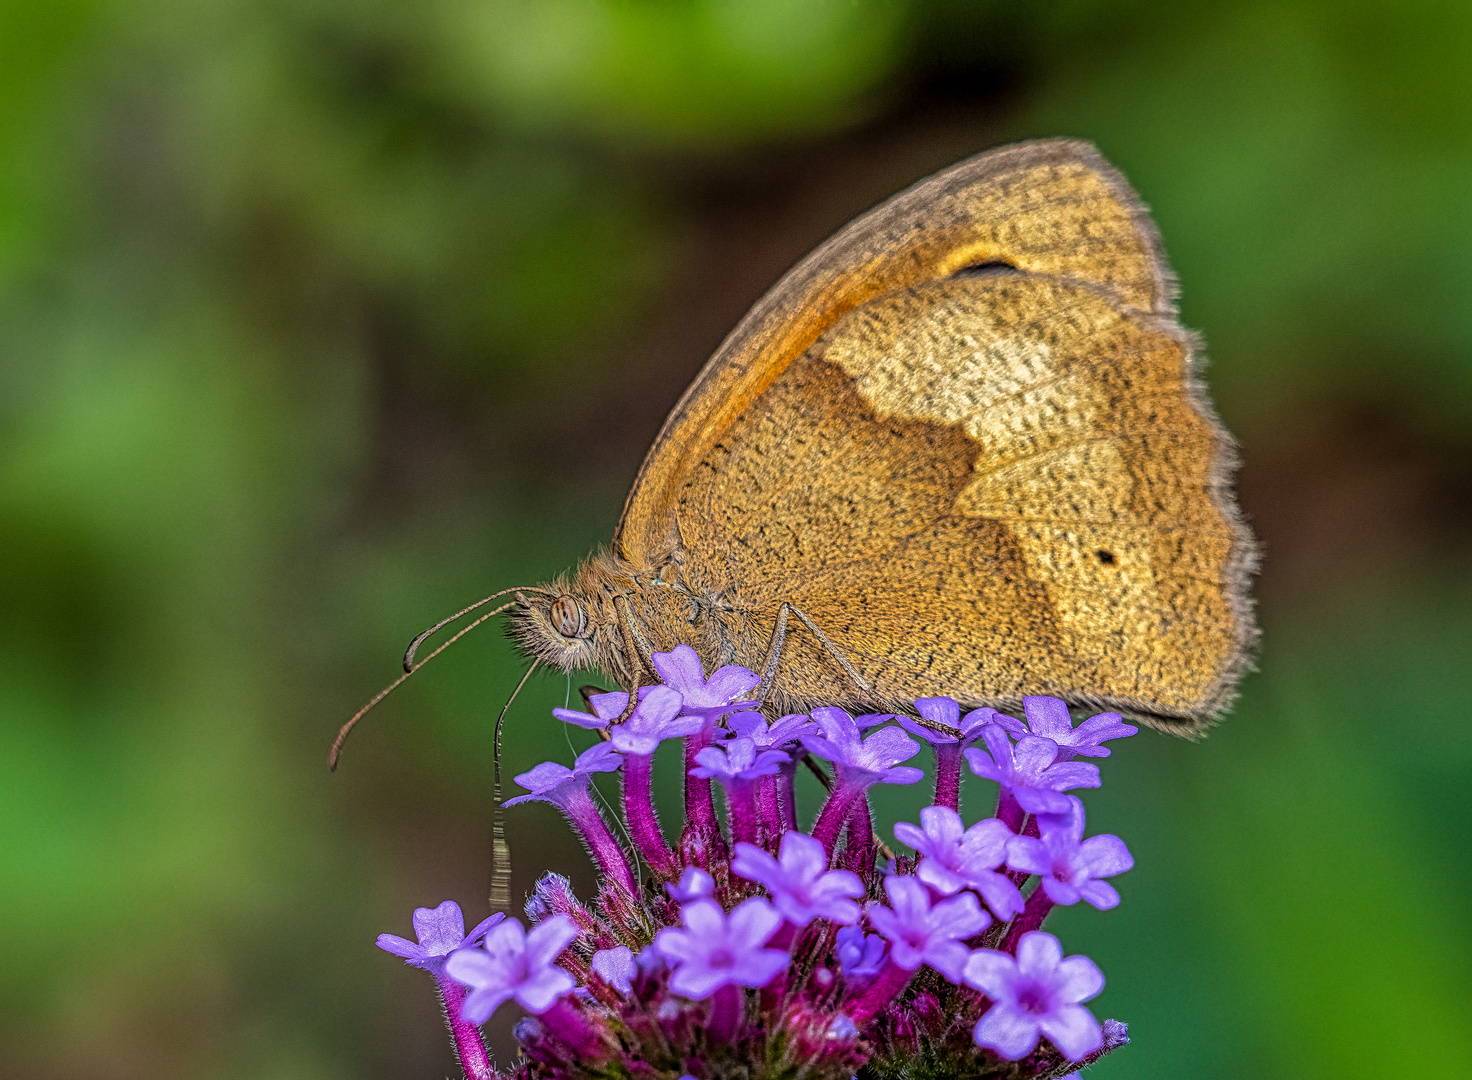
x=681, y=671
x=946, y=711
x=736, y=760
x=875, y=759
x=778, y=735
x=712, y=948
x=557, y=784
x=761, y=946
x=922, y=932
x=655, y=718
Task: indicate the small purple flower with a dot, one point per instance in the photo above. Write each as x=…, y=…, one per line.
x=944, y=710
x=1070, y=866
x=657, y=717
x=921, y=933
x=1048, y=718
x=955, y=858
x=860, y=954
x=616, y=967
x=681, y=671
x=514, y=963
x=737, y=760
x=1030, y=773
x=713, y=949
x=774, y=736
x=567, y=789
x=802, y=886
x=694, y=884
x=872, y=760
x=553, y=782
x=440, y=931
x=1037, y=993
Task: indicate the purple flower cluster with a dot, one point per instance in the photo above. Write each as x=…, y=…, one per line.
x=758, y=948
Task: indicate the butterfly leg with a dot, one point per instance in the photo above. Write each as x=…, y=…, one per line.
x=636, y=647
x=779, y=638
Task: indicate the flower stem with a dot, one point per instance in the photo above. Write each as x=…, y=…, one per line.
x=1009, y=810
x=1038, y=906
x=835, y=812
x=879, y=992
x=787, y=795
x=726, y=1006
x=859, y=855
x=948, y=775
x=583, y=813
x=769, y=810
x=741, y=801
x=640, y=814
x=470, y=1051
x=700, y=807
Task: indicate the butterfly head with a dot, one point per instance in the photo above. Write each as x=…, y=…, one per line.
x=557, y=626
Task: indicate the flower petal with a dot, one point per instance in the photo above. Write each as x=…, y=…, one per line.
x=536, y=993
x=1073, y=1030
x=1105, y=855
x=546, y=940
x=1078, y=979
x=1038, y=953
x=1008, y=1030
x=992, y=972
x=1048, y=717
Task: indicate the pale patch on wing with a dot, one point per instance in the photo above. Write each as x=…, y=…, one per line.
x=1046, y=465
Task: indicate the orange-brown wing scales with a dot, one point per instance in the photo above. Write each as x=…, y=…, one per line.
x=1053, y=207
x=982, y=487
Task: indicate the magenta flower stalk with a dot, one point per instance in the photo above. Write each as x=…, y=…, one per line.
x=739, y=766
x=775, y=947
x=655, y=718
x=567, y=789
x=439, y=931
x=707, y=699
x=947, y=748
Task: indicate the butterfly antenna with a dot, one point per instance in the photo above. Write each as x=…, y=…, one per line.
x=410, y=667
x=425, y=635
x=500, y=849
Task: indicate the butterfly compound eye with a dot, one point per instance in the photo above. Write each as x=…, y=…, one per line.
x=567, y=619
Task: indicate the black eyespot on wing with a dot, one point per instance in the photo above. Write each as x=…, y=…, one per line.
x=1105, y=557
x=990, y=268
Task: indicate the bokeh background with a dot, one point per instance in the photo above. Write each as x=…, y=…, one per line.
x=321, y=318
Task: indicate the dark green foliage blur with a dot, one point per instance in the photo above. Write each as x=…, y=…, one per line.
x=320, y=319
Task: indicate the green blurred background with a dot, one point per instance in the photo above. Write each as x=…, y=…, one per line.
x=322, y=318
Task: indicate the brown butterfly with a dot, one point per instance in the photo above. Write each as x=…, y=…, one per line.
x=960, y=449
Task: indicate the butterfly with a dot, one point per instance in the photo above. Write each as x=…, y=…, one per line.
x=961, y=449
